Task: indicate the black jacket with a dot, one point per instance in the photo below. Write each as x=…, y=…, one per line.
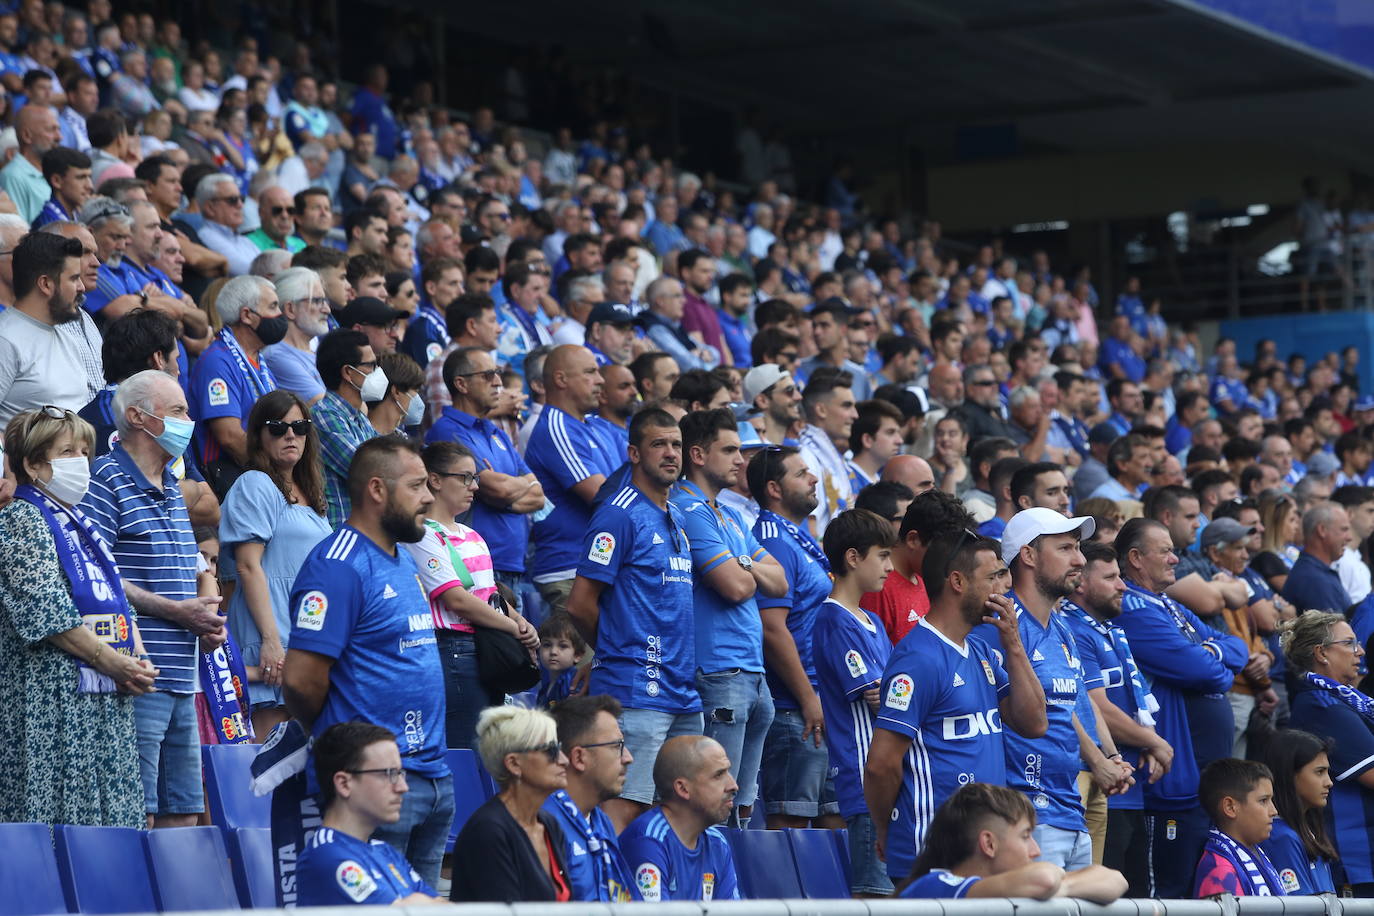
x=494, y=862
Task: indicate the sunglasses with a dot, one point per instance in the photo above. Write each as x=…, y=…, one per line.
x=964, y=536
x=235, y=201
x=278, y=428
x=279, y=211
x=550, y=750
x=488, y=375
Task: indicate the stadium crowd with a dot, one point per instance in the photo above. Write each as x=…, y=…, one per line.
x=384, y=429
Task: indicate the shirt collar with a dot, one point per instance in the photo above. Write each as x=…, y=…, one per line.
x=127, y=465
x=462, y=417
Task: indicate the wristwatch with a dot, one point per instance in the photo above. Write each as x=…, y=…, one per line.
x=744, y=562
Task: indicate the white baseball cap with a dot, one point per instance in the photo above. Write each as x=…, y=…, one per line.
x=1028, y=524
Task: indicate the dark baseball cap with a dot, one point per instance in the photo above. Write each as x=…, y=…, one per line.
x=1102, y=434
x=367, y=310
x=610, y=313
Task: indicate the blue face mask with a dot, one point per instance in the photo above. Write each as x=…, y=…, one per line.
x=415, y=412
x=176, y=434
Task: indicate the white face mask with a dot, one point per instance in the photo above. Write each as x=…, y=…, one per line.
x=373, y=387
x=415, y=411
x=71, y=478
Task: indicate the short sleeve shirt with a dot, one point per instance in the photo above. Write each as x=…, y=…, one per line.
x=939, y=884
x=219, y=389
x=850, y=657
x=562, y=452
x=433, y=556
x=900, y=605
x=336, y=869
x=664, y=869
x=808, y=586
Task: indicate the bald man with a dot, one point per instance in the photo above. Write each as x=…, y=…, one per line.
x=38, y=132
x=675, y=850
x=913, y=472
x=277, y=214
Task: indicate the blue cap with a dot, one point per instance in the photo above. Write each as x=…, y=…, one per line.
x=748, y=436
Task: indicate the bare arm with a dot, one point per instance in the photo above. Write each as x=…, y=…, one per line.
x=1197, y=595
x=129, y=674
x=1023, y=708
x=504, y=491
x=1126, y=730
x=306, y=684
x=201, y=504
x=769, y=576
x=202, y=259
x=228, y=432
x=882, y=779
x=583, y=607
x=1038, y=880
x=1096, y=883
x=253, y=580
x=200, y=615
x=731, y=581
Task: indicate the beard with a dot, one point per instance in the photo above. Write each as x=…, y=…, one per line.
x=800, y=504
x=1065, y=586
x=971, y=609
x=65, y=311
x=401, y=526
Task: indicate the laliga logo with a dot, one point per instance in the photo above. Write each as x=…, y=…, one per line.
x=604, y=543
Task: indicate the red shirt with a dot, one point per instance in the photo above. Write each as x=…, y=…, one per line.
x=899, y=605
x=697, y=315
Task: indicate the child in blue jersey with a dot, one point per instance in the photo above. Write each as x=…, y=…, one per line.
x=675, y=850
x=1300, y=848
x=361, y=787
x=1239, y=796
x=851, y=648
x=561, y=647
x=980, y=844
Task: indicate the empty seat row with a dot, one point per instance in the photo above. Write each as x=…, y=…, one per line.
x=790, y=863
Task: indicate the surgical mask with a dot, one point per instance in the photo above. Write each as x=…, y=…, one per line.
x=71, y=478
x=176, y=434
x=271, y=330
x=415, y=412
x=373, y=387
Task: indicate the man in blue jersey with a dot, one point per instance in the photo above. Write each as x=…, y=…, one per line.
x=567, y=456
x=507, y=490
x=1119, y=693
x=945, y=698
x=1041, y=548
x=597, y=762
x=676, y=851
x=795, y=758
x=362, y=786
x=729, y=567
x=1190, y=667
x=362, y=640
x=632, y=602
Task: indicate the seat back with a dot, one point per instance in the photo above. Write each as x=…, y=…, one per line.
x=471, y=788
x=841, y=838
x=818, y=864
x=104, y=870
x=29, y=885
x=190, y=869
x=227, y=775
x=763, y=863
x=250, y=860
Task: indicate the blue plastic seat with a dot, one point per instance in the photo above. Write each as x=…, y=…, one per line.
x=29, y=885
x=190, y=869
x=763, y=863
x=471, y=788
x=250, y=860
x=227, y=775
x=818, y=864
x=104, y=870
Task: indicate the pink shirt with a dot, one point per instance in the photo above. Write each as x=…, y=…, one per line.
x=437, y=575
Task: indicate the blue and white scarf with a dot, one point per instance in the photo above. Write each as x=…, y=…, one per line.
x=805, y=540
x=260, y=378
x=1145, y=703
x=1256, y=873
x=1361, y=703
x=279, y=770
x=96, y=587
x=223, y=679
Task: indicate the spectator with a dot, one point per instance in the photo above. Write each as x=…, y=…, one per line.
x=362, y=646
x=634, y=578
x=656, y=373
x=350, y=375
x=456, y=572
x=566, y=456
x=583, y=295
x=292, y=359
x=829, y=320
x=965, y=579
x=69, y=174
x=401, y=408
x=874, y=438
x=590, y=735
x=314, y=216
x=610, y=334
x=39, y=365
x=221, y=202
x=230, y=375
x=22, y=179
x=1130, y=462
x=136, y=507
x=520, y=315
x=982, y=845
x=999, y=483
x=981, y=410
x=1234, y=792
x=858, y=548
x=427, y=337
x=730, y=568
x=828, y=403
x=1300, y=847
x=277, y=229
x=508, y=491
x=83, y=99
x=1041, y=485
x=382, y=324
x=470, y=321
x=511, y=848
x=780, y=409
x=696, y=791
x=362, y=784
x=662, y=322
x=697, y=271
x=366, y=274
x=66, y=694
x=273, y=516
x=1190, y=667
x=1313, y=583
x=1353, y=570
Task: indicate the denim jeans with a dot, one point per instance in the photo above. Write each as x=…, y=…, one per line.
x=645, y=731
x=869, y=872
x=1069, y=849
x=422, y=832
x=169, y=753
x=464, y=695
x=738, y=710
x=794, y=768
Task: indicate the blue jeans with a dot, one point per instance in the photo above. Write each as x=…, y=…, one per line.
x=464, y=695
x=169, y=753
x=869, y=874
x=1069, y=849
x=738, y=711
x=793, y=768
x=645, y=730
x=422, y=832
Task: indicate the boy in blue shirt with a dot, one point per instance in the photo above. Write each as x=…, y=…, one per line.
x=561, y=647
x=850, y=648
x=362, y=784
x=1239, y=796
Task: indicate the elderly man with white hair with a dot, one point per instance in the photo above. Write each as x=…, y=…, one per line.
x=584, y=294
x=135, y=504
x=221, y=203
x=230, y=375
x=292, y=360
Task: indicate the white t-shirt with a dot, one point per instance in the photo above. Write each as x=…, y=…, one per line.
x=38, y=366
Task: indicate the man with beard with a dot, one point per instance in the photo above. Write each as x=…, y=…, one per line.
x=618, y=402
x=610, y=334
x=38, y=365
x=730, y=568
x=632, y=601
x=945, y=697
x=363, y=646
x=1042, y=548
x=1118, y=692
x=697, y=271
x=769, y=389
x=83, y=334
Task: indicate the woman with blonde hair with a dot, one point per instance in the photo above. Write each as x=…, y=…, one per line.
x=1279, y=543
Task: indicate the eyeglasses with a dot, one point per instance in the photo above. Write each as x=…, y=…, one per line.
x=1349, y=642
x=618, y=745
x=466, y=478
x=503, y=217
x=393, y=775
x=365, y=368
x=550, y=750
x=318, y=302
x=488, y=375
x=47, y=410
x=278, y=428
x=983, y=384
x=789, y=355
x=964, y=535
x=275, y=211
x=235, y=201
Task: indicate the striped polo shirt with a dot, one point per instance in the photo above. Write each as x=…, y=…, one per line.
x=149, y=532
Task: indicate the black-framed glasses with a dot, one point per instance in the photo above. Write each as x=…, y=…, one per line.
x=983, y=383
x=278, y=428
x=488, y=375
x=964, y=536
x=618, y=745
x=466, y=478
x=318, y=302
x=550, y=750
x=365, y=368
x=790, y=355
x=234, y=201
x=392, y=775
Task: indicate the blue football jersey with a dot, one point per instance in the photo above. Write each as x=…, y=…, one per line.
x=664, y=869
x=808, y=586
x=338, y=869
x=1103, y=667
x=562, y=452
x=850, y=657
x=939, y=884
